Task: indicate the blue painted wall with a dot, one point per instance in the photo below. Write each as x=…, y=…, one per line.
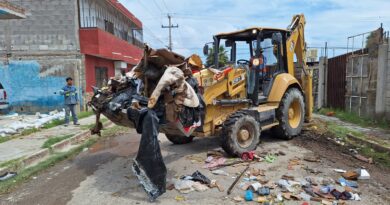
x=27, y=91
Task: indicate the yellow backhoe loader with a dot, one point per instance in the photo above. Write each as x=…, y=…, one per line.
x=260, y=87
x=281, y=96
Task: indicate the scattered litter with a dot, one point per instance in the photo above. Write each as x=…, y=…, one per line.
x=284, y=184
x=220, y=172
x=214, y=183
x=355, y=196
x=270, y=158
x=199, y=187
x=236, y=180
x=312, y=158
x=279, y=197
x=344, y=182
x=325, y=202
x=261, y=199
x=304, y=196
x=248, y=195
x=364, y=175
x=293, y=162
x=339, y=170
x=7, y=175
x=364, y=159
x=195, y=159
x=256, y=172
x=199, y=177
x=248, y=156
x=180, y=198
x=214, y=162
x=288, y=177
x=281, y=153
x=350, y=175
x=184, y=186
x=263, y=191
x=238, y=199
x=255, y=186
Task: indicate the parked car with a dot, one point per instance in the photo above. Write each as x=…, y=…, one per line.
x=4, y=104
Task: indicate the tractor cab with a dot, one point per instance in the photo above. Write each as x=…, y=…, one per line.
x=260, y=51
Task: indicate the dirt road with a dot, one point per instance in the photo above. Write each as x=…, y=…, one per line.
x=102, y=174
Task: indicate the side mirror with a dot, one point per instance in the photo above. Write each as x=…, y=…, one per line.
x=206, y=49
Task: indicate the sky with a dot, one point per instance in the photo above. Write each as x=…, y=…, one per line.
x=331, y=21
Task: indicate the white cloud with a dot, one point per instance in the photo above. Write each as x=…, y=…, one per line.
x=329, y=21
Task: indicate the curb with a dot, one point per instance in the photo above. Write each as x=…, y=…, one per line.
x=373, y=145
x=43, y=154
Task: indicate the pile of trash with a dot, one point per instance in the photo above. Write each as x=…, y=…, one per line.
x=22, y=122
x=310, y=188
x=159, y=93
x=252, y=182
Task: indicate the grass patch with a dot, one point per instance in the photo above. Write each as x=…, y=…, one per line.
x=379, y=157
x=341, y=131
x=53, y=140
x=58, y=122
x=4, y=139
x=355, y=118
x=382, y=158
x=10, y=162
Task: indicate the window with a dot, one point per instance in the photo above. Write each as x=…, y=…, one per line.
x=109, y=26
x=101, y=76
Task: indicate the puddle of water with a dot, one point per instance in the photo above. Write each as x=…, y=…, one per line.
x=122, y=145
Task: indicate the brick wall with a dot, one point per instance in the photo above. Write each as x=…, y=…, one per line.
x=49, y=25
x=44, y=51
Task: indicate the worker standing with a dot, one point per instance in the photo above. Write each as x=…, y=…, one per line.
x=257, y=67
x=71, y=100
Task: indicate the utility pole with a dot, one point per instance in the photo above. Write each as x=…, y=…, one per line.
x=170, y=26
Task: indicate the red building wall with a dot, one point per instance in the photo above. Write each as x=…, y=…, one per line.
x=91, y=62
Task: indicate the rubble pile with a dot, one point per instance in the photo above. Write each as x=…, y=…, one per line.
x=22, y=123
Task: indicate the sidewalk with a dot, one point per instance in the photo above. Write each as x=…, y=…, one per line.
x=27, y=145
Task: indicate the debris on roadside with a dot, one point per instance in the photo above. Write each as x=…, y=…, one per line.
x=220, y=172
x=363, y=158
x=180, y=198
x=8, y=175
x=312, y=158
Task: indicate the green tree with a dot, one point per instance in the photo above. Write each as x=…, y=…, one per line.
x=222, y=57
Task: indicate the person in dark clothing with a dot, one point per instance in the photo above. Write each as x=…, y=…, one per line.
x=71, y=100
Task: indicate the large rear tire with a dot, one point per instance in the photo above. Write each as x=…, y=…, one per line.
x=178, y=139
x=290, y=114
x=240, y=133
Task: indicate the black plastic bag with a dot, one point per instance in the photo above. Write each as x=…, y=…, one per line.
x=149, y=165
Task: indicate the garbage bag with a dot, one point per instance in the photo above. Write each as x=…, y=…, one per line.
x=199, y=177
x=149, y=166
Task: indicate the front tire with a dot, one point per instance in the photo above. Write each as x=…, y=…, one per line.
x=290, y=114
x=178, y=139
x=240, y=133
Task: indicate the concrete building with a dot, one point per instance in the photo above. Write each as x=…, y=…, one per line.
x=89, y=40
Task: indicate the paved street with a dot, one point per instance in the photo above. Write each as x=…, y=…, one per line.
x=102, y=175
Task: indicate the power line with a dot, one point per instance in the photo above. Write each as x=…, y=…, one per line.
x=158, y=7
x=165, y=5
